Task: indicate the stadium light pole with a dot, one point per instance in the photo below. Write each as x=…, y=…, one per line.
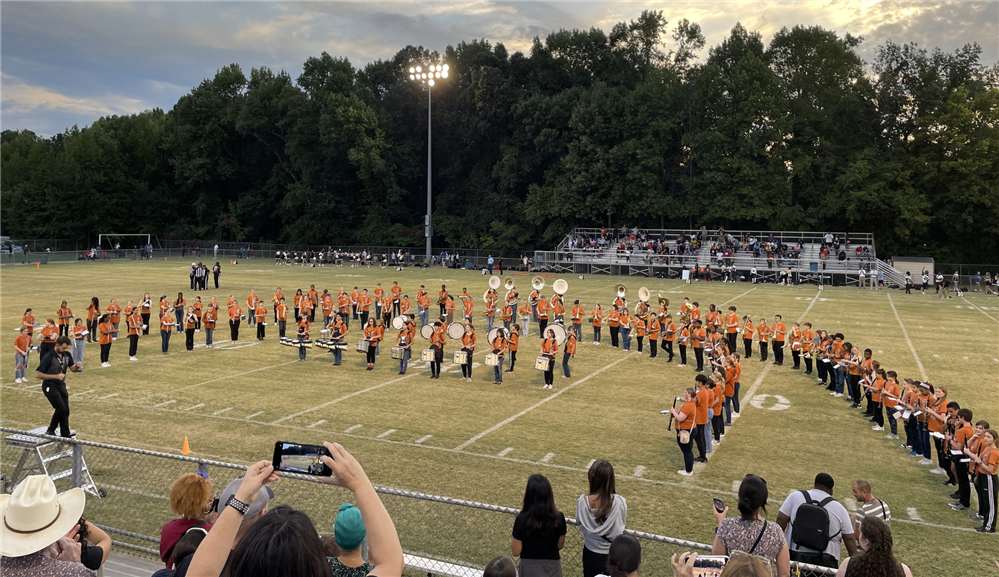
x=428, y=78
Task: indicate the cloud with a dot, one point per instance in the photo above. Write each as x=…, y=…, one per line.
x=20, y=98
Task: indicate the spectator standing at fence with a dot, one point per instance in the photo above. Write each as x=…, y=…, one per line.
x=191, y=499
x=539, y=531
x=877, y=557
x=500, y=566
x=349, y=533
x=36, y=520
x=822, y=521
x=601, y=515
x=751, y=532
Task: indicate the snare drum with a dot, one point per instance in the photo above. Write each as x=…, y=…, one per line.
x=427, y=355
x=460, y=357
x=492, y=360
x=542, y=363
x=362, y=346
x=398, y=353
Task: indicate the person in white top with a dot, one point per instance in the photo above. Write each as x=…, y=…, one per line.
x=840, y=530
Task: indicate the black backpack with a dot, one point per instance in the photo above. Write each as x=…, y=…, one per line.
x=810, y=527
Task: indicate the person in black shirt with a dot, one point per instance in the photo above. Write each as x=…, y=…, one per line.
x=52, y=371
x=539, y=531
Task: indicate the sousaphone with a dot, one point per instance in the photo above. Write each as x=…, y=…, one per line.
x=621, y=290
x=560, y=286
x=537, y=283
x=494, y=282
x=644, y=294
x=509, y=284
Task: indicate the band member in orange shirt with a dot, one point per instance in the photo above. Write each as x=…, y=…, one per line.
x=281, y=314
x=763, y=332
x=208, y=320
x=65, y=314
x=135, y=328
x=638, y=328
x=698, y=337
x=499, y=347
x=669, y=335
x=235, y=315
x=93, y=315
x=49, y=334
x=549, y=347
x=596, y=320
x=577, y=314
x=379, y=296
x=404, y=305
x=190, y=324
x=614, y=322
x=261, y=314
x=396, y=293
x=653, y=328
x=568, y=353
x=514, y=340
x=543, y=308
x=167, y=323
x=442, y=299
x=423, y=306
x=682, y=340
x=404, y=340
x=371, y=339
x=22, y=349
x=104, y=338
x=468, y=341
x=731, y=328
x=779, y=333
x=807, y=337
x=437, y=341
x=179, y=306
x=748, y=331
x=144, y=310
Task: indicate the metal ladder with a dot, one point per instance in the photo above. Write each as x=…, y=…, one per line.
x=40, y=455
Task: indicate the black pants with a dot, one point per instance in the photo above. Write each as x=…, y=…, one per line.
x=234, y=330
x=718, y=424
x=260, y=331
x=796, y=356
x=371, y=354
x=731, y=341
x=987, y=496
x=466, y=368
x=699, y=440
x=763, y=350
x=823, y=368
x=189, y=339
x=963, y=486
x=92, y=333
x=748, y=344
x=808, y=364
x=779, y=352
x=364, y=318
x=45, y=348
x=435, y=365
x=216, y=279
x=614, y=332
x=653, y=348
x=513, y=360
x=192, y=282
x=594, y=563
x=550, y=373
x=133, y=345
x=542, y=324
x=145, y=323
x=63, y=330
x=282, y=327
x=879, y=416
x=55, y=392
x=105, y=352
x=699, y=355
x=683, y=354
x=854, y=381
x=640, y=339
x=668, y=347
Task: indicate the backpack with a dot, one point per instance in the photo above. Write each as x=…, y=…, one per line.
x=810, y=527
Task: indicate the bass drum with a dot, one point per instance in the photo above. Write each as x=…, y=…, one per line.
x=495, y=332
x=560, y=334
x=399, y=322
x=427, y=331
x=455, y=330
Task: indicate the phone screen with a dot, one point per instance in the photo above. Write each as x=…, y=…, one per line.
x=709, y=565
x=719, y=505
x=300, y=458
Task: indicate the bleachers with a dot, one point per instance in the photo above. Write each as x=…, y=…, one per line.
x=657, y=252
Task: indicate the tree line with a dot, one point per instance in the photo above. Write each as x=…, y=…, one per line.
x=589, y=128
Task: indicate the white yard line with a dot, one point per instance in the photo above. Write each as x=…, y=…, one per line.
x=424, y=438
x=343, y=398
x=317, y=423
x=219, y=412
x=908, y=341
x=979, y=310
x=504, y=452
x=738, y=297
x=192, y=407
x=547, y=457
x=234, y=376
x=82, y=393
x=386, y=433
x=639, y=471
x=509, y=420
x=109, y=396
x=257, y=414
x=353, y=428
x=913, y=515
x=164, y=404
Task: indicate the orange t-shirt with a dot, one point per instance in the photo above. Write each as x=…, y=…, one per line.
x=524, y=311
x=577, y=315
x=396, y=291
x=468, y=340
x=705, y=400
x=93, y=312
x=22, y=343
x=209, y=318
x=748, y=330
x=891, y=390
x=990, y=458
x=106, y=330
x=542, y=307
x=731, y=376
x=549, y=347
x=64, y=314
x=876, y=389
x=49, y=334
x=115, y=312
x=514, y=341
x=614, y=319
x=963, y=434
x=261, y=312
x=653, y=329
x=731, y=323
x=134, y=323
x=764, y=331
x=689, y=411
x=596, y=318
x=364, y=303
x=570, y=344
x=167, y=323
x=698, y=338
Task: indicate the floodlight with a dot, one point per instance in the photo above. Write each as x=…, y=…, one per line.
x=430, y=82
x=411, y=70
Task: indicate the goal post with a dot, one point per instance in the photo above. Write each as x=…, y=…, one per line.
x=117, y=241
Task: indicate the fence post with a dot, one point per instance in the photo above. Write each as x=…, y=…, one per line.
x=203, y=467
x=77, y=477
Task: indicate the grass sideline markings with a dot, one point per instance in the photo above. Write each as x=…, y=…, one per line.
x=750, y=393
x=913, y=514
x=233, y=376
x=257, y=414
x=317, y=423
x=192, y=407
x=547, y=457
x=343, y=398
x=423, y=439
x=82, y=393
x=109, y=396
x=220, y=411
x=164, y=404
x=908, y=341
x=504, y=452
x=639, y=471
x=353, y=428
x=386, y=433
x=554, y=396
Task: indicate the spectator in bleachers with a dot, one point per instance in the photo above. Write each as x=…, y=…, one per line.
x=95, y=545
x=877, y=557
x=624, y=558
x=35, y=529
x=284, y=543
x=601, y=515
x=191, y=499
x=751, y=533
x=349, y=533
x=539, y=531
x=183, y=552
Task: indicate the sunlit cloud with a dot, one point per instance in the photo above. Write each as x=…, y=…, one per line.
x=20, y=98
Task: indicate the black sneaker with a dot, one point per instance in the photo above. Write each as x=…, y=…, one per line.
x=982, y=529
x=951, y=483
x=955, y=495
x=959, y=507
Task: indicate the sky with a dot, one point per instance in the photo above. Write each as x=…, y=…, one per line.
x=69, y=63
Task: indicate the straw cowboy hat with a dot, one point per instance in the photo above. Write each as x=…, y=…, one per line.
x=36, y=516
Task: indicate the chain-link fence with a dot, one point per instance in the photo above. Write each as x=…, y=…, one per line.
x=129, y=497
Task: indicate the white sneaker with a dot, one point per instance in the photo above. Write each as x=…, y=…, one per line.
x=17, y=380
x=938, y=471
x=837, y=395
x=715, y=443
x=105, y=365
x=132, y=358
x=926, y=461
x=877, y=428
x=890, y=436
x=685, y=473
x=735, y=415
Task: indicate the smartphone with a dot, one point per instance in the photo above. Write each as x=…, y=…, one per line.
x=301, y=458
x=719, y=505
x=709, y=565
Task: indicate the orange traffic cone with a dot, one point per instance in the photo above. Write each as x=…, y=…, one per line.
x=164, y=259
x=187, y=448
x=38, y=265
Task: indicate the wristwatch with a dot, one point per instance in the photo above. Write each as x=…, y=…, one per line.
x=237, y=505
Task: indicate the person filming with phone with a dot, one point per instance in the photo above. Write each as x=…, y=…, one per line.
x=751, y=532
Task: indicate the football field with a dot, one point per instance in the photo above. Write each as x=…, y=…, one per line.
x=480, y=441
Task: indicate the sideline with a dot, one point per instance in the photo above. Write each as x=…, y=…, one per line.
x=979, y=309
x=509, y=420
x=908, y=341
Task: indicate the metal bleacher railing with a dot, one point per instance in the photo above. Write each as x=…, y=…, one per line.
x=440, y=535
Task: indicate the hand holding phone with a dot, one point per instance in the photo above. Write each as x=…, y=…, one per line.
x=719, y=505
x=301, y=458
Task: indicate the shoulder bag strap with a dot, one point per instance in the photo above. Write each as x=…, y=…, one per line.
x=758, y=537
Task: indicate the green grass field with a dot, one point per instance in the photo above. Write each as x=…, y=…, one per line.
x=480, y=441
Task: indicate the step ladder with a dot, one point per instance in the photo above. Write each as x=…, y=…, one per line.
x=43, y=456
